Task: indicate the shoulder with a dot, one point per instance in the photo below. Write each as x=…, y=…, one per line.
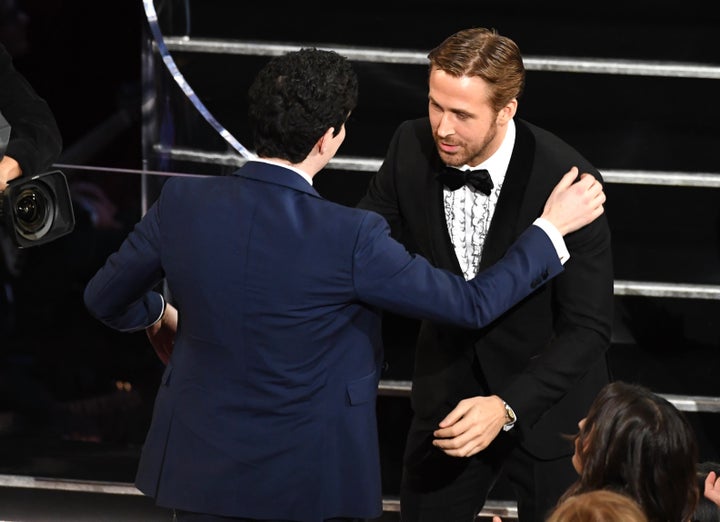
x=190, y=188
x=551, y=151
x=182, y=183
x=418, y=128
x=343, y=215
x=541, y=134
x=412, y=136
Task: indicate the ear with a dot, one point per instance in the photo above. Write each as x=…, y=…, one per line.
x=508, y=112
x=325, y=139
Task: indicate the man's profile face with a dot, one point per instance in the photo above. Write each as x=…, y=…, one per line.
x=464, y=123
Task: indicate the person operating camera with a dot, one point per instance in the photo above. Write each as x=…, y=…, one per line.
x=33, y=144
x=35, y=141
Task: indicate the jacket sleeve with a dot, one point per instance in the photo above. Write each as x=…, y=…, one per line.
x=381, y=195
x=121, y=293
x=387, y=276
x=583, y=309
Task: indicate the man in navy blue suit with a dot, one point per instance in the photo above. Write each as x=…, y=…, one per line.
x=272, y=342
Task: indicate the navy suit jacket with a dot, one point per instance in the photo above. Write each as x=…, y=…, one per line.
x=267, y=406
x=546, y=357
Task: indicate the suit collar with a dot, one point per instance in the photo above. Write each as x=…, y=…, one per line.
x=267, y=172
x=304, y=175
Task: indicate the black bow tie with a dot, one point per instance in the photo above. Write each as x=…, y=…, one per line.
x=454, y=178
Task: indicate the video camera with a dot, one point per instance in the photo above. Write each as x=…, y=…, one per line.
x=37, y=209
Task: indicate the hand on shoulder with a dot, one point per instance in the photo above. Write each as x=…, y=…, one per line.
x=574, y=202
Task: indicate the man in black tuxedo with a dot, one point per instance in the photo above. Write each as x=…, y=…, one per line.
x=496, y=399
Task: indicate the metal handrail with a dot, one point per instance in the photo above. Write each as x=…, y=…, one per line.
x=676, y=290
x=413, y=57
x=689, y=403
x=506, y=509
x=391, y=504
x=367, y=164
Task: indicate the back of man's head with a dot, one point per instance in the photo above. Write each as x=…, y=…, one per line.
x=296, y=98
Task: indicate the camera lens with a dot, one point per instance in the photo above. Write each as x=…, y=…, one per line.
x=34, y=211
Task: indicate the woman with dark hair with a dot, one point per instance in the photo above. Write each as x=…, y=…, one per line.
x=635, y=442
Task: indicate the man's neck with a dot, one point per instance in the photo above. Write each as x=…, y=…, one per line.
x=299, y=168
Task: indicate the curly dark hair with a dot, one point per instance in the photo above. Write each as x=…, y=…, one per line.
x=296, y=98
x=638, y=443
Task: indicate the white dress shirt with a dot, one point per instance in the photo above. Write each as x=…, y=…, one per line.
x=469, y=212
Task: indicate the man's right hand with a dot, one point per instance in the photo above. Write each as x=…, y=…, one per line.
x=162, y=333
x=9, y=170
x=573, y=204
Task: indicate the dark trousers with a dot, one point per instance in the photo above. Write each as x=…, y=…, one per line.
x=187, y=516
x=455, y=489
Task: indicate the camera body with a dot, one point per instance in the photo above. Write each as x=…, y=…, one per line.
x=38, y=209
x=34, y=210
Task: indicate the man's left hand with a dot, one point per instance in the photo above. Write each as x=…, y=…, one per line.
x=471, y=426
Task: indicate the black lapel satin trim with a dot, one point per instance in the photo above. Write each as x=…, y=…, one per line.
x=503, y=228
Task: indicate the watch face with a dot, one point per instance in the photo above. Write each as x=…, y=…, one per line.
x=509, y=415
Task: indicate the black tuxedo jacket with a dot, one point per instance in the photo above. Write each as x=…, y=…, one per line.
x=546, y=357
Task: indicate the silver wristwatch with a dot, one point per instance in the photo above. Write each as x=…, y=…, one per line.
x=510, y=417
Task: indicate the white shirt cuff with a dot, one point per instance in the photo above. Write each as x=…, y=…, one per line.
x=162, y=312
x=555, y=237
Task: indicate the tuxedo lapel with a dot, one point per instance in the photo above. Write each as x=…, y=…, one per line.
x=504, y=225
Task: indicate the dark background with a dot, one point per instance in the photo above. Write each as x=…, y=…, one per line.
x=75, y=397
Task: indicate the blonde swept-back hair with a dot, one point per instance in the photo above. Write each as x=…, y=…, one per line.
x=487, y=55
x=600, y=505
